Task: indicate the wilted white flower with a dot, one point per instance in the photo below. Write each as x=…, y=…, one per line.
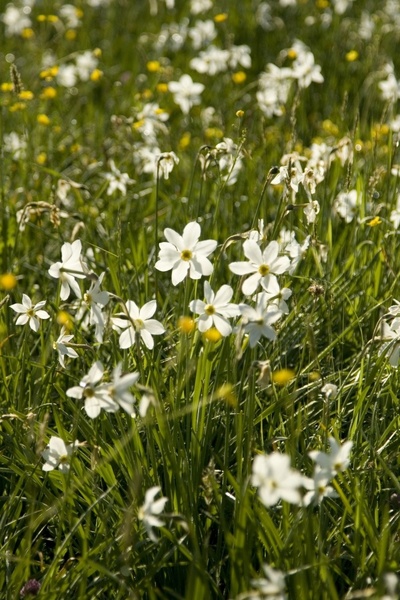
x=184, y=254
x=151, y=509
x=138, y=325
x=58, y=454
x=330, y=390
x=166, y=162
x=30, y=313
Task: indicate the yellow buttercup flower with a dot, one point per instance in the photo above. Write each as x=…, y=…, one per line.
x=8, y=281
x=221, y=17
x=186, y=324
x=374, y=222
x=283, y=376
x=239, y=77
x=212, y=335
x=43, y=119
x=352, y=56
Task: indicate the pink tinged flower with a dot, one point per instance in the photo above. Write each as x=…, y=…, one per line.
x=151, y=509
x=62, y=347
x=184, y=254
x=58, y=454
x=69, y=269
x=262, y=266
x=257, y=321
x=140, y=325
x=338, y=459
x=216, y=310
x=30, y=313
x=275, y=479
x=90, y=389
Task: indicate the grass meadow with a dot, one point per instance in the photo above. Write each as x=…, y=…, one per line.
x=199, y=299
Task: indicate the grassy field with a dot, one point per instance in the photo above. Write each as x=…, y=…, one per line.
x=199, y=299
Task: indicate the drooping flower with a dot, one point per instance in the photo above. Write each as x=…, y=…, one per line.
x=184, y=254
x=70, y=268
x=275, y=479
x=166, y=162
x=151, y=509
x=216, y=310
x=139, y=324
x=30, y=313
x=58, y=454
x=262, y=265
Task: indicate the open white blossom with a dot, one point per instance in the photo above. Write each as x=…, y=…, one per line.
x=275, y=479
x=70, y=268
x=318, y=487
x=63, y=348
x=186, y=92
x=262, y=265
x=258, y=321
x=184, y=254
x=117, y=180
x=139, y=324
x=338, y=459
x=151, y=509
x=30, y=313
x=91, y=390
x=216, y=310
x=58, y=455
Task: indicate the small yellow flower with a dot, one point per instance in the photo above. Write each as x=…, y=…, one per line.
x=214, y=132
x=75, y=147
x=186, y=324
x=314, y=376
x=43, y=119
x=48, y=93
x=8, y=281
x=162, y=88
x=240, y=114
x=49, y=73
x=239, y=77
x=374, y=222
x=352, y=56
x=70, y=35
x=226, y=393
x=52, y=18
x=184, y=142
x=97, y=52
x=96, y=75
x=147, y=94
x=41, y=158
x=212, y=335
x=329, y=127
x=6, y=87
x=41, y=18
x=322, y=3
x=283, y=376
x=292, y=54
x=27, y=33
x=17, y=106
x=25, y=95
x=153, y=66
x=65, y=319
x=220, y=17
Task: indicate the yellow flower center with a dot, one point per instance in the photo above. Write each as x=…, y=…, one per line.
x=138, y=324
x=186, y=255
x=263, y=270
x=209, y=309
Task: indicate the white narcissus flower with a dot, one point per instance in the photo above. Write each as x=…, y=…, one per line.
x=338, y=459
x=391, y=335
x=262, y=266
x=58, y=454
x=30, y=313
x=138, y=325
x=186, y=92
x=69, y=269
x=166, y=162
x=318, y=487
x=62, y=347
x=257, y=321
x=184, y=254
x=216, y=310
x=95, y=300
x=117, y=394
x=275, y=479
x=90, y=390
x=117, y=180
x=272, y=587
x=148, y=513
